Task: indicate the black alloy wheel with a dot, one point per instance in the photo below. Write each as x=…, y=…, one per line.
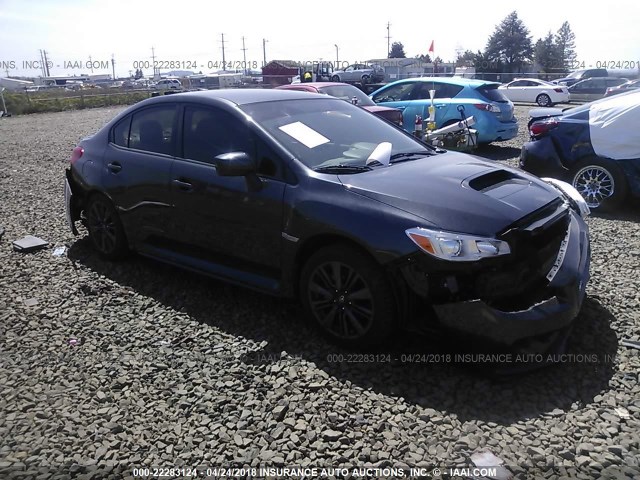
x=105, y=229
x=348, y=296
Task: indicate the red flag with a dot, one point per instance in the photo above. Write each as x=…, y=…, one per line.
x=431, y=50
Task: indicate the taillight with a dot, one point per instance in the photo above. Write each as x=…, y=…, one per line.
x=558, y=90
x=76, y=154
x=487, y=107
x=542, y=126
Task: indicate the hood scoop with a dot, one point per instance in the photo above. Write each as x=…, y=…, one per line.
x=498, y=184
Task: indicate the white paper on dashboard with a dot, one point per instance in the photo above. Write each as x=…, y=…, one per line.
x=305, y=135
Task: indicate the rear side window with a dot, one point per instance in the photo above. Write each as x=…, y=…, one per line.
x=491, y=92
x=120, y=133
x=154, y=129
x=443, y=90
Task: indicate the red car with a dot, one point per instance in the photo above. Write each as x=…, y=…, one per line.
x=350, y=94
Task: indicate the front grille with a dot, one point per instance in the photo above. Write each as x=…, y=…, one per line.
x=535, y=242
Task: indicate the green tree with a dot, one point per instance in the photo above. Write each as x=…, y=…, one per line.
x=566, y=44
x=424, y=58
x=547, y=54
x=510, y=43
x=397, y=50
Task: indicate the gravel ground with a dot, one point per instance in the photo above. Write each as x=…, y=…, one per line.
x=109, y=366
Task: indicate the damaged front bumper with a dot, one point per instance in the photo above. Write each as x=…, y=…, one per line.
x=557, y=306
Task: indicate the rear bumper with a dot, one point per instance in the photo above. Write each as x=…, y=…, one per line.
x=493, y=130
x=564, y=296
x=541, y=158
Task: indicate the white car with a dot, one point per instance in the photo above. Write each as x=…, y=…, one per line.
x=532, y=90
x=168, y=84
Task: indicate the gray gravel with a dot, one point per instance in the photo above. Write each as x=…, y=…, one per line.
x=109, y=366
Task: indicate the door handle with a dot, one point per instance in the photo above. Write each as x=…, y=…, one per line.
x=115, y=167
x=401, y=107
x=182, y=185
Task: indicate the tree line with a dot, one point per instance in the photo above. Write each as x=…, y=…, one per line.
x=510, y=48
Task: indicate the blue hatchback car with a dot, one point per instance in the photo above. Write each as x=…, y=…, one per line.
x=492, y=110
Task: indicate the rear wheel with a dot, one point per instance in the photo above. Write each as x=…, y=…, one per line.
x=600, y=182
x=105, y=229
x=365, y=79
x=348, y=296
x=544, y=100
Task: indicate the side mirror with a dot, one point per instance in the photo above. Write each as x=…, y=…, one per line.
x=235, y=164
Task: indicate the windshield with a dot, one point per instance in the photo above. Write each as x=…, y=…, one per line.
x=327, y=132
x=347, y=92
x=576, y=74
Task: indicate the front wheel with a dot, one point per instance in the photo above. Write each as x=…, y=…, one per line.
x=544, y=100
x=335, y=78
x=600, y=182
x=105, y=229
x=348, y=296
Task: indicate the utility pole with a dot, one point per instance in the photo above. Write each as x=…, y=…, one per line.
x=113, y=67
x=244, y=57
x=224, y=63
x=337, y=59
x=46, y=63
x=264, y=51
x=388, y=40
x=153, y=59
x=42, y=63
x=6, y=71
x=91, y=63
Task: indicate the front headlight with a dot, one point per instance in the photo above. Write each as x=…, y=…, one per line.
x=457, y=247
x=571, y=194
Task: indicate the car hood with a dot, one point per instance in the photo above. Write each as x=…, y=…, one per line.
x=455, y=192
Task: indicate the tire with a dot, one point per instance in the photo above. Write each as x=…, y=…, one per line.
x=544, y=100
x=335, y=78
x=365, y=79
x=600, y=182
x=105, y=228
x=348, y=296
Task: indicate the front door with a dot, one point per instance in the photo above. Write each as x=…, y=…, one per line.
x=224, y=217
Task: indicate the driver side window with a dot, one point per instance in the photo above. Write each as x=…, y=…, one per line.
x=396, y=93
x=209, y=132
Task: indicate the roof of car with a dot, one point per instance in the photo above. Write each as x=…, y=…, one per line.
x=460, y=81
x=312, y=84
x=240, y=96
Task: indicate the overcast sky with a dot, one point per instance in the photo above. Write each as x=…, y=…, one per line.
x=72, y=30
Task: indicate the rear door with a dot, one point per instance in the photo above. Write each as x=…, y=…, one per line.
x=138, y=163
